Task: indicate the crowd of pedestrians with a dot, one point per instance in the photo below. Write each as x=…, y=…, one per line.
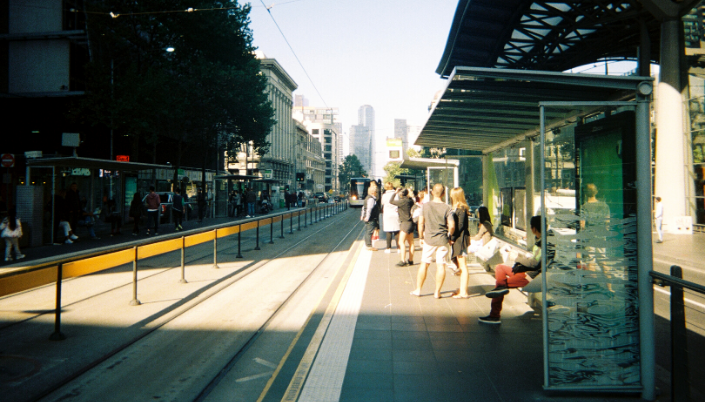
x=444, y=234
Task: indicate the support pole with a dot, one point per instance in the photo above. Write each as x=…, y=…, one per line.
x=298, y=219
x=291, y=223
x=134, y=301
x=57, y=335
x=271, y=230
x=183, y=260
x=239, y=233
x=680, y=384
x=215, y=249
x=281, y=221
x=305, y=217
x=645, y=289
x=257, y=244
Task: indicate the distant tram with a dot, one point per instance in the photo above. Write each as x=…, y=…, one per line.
x=358, y=190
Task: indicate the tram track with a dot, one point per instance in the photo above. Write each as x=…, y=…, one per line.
x=205, y=295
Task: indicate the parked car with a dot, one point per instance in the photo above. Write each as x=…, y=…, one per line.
x=321, y=197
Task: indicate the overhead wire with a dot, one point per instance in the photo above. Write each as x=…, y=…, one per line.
x=293, y=52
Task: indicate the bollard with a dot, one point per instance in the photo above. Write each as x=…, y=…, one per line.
x=298, y=219
x=134, y=301
x=215, y=249
x=257, y=244
x=291, y=223
x=305, y=223
x=271, y=230
x=239, y=232
x=281, y=221
x=680, y=384
x=57, y=335
x=183, y=260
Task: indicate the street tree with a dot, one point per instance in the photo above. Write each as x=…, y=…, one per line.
x=351, y=167
x=393, y=169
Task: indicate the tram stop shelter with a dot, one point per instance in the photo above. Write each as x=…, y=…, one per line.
x=575, y=149
x=96, y=178
x=444, y=171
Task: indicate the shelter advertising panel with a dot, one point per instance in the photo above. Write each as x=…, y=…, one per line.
x=591, y=311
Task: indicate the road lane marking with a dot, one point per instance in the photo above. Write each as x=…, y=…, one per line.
x=331, y=306
x=254, y=377
x=686, y=300
x=265, y=363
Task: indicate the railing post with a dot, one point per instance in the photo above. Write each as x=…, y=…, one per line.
x=134, y=301
x=257, y=244
x=298, y=219
x=57, y=335
x=215, y=249
x=305, y=217
x=680, y=384
x=183, y=260
x=239, y=232
x=291, y=223
x=281, y=221
x=271, y=230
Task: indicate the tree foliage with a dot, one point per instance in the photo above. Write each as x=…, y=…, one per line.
x=394, y=169
x=351, y=167
x=206, y=94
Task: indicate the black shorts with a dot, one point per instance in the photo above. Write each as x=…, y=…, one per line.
x=406, y=227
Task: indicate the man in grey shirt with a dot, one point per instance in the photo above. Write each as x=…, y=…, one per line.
x=436, y=224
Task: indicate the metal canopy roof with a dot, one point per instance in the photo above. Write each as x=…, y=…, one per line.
x=554, y=35
x=483, y=109
x=423, y=163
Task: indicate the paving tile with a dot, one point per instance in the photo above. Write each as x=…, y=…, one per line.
x=375, y=344
x=375, y=381
x=372, y=334
x=398, y=335
x=369, y=366
x=371, y=354
x=412, y=344
x=444, y=328
x=396, y=326
x=413, y=355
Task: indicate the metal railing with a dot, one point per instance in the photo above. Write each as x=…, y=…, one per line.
x=680, y=382
x=110, y=257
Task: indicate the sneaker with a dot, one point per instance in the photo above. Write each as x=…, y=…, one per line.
x=95, y=238
x=8, y=259
x=371, y=248
x=247, y=216
x=410, y=263
x=388, y=251
x=497, y=292
x=398, y=250
x=156, y=234
x=490, y=320
x=68, y=241
x=402, y=264
x=134, y=233
x=73, y=237
x=21, y=256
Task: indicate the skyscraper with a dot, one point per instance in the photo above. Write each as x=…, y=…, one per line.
x=362, y=138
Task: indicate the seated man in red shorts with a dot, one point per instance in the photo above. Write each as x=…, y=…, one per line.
x=514, y=277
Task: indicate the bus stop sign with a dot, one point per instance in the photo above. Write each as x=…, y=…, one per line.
x=8, y=160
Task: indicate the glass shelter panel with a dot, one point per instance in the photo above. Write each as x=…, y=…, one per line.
x=590, y=284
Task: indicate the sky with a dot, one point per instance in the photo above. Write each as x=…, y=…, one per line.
x=382, y=53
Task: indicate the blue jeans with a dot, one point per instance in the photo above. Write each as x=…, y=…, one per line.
x=251, y=208
x=153, y=216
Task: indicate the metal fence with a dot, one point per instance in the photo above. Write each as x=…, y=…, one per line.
x=110, y=257
x=680, y=369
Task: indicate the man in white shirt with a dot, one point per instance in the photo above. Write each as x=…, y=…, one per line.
x=658, y=218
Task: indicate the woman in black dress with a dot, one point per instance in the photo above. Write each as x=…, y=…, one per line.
x=460, y=239
x=404, y=203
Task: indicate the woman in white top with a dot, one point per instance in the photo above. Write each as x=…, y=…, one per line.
x=11, y=229
x=390, y=217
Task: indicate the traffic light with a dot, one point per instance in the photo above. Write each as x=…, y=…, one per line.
x=300, y=176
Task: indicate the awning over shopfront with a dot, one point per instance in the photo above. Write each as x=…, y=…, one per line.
x=92, y=163
x=484, y=109
x=423, y=163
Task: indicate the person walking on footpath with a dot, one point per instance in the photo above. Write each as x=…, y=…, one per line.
x=390, y=217
x=11, y=229
x=507, y=277
x=404, y=202
x=460, y=239
x=202, y=204
x=436, y=225
x=153, y=205
x=177, y=208
x=251, y=199
x=73, y=205
x=658, y=219
x=136, y=212
x=370, y=215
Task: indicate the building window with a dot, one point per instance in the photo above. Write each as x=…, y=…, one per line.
x=328, y=148
x=314, y=131
x=328, y=140
x=328, y=172
x=327, y=180
x=328, y=164
x=327, y=132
